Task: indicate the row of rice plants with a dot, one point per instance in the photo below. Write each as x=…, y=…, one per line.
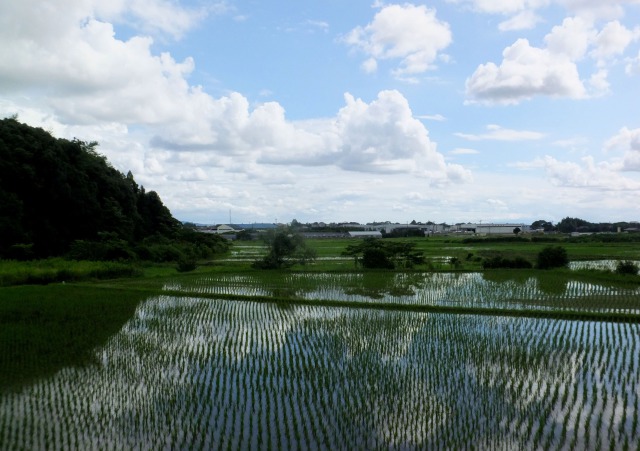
x=205, y=373
x=599, y=265
x=468, y=290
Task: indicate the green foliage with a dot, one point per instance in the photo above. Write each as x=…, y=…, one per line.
x=107, y=247
x=496, y=239
x=186, y=264
x=21, y=252
x=382, y=254
x=60, y=197
x=568, y=225
x=552, y=257
x=404, y=233
x=54, y=192
x=41, y=272
x=499, y=261
x=627, y=267
x=606, y=238
x=244, y=235
x=44, y=329
x=547, y=239
x=376, y=258
x=285, y=249
x=542, y=224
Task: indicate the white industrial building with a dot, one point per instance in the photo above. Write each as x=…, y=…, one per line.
x=492, y=229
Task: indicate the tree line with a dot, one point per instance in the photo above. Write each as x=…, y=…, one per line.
x=60, y=197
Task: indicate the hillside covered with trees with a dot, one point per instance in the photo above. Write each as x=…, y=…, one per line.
x=60, y=197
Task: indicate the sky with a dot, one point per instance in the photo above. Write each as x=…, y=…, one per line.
x=331, y=110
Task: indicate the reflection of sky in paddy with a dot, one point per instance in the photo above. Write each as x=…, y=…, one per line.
x=433, y=288
x=188, y=372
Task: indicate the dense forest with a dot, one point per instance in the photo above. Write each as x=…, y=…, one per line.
x=62, y=198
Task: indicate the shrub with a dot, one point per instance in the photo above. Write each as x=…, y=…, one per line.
x=552, y=257
x=500, y=262
x=20, y=252
x=388, y=254
x=496, y=239
x=102, y=250
x=186, y=264
x=376, y=258
x=284, y=250
x=627, y=267
x=161, y=253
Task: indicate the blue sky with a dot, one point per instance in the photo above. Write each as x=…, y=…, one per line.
x=444, y=110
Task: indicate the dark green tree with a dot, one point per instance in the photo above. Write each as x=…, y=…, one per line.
x=376, y=258
x=568, y=225
x=552, y=257
x=60, y=196
x=244, y=235
x=285, y=249
x=627, y=267
x=542, y=224
x=375, y=253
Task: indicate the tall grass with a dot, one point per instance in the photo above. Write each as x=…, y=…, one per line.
x=42, y=272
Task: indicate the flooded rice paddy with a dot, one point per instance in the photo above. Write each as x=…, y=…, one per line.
x=188, y=372
x=447, y=289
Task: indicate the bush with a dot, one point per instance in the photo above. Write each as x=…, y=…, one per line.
x=627, y=267
x=552, y=257
x=284, y=250
x=20, y=252
x=388, y=254
x=496, y=239
x=103, y=250
x=161, y=253
x=186, y=264
x=376, y=258
x=500, y=262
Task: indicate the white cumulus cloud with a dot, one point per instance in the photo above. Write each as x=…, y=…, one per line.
x=85, y=72
x=382, y=136
x=525, y=72
x=524, y=20
x=613, y=40
x=585, y=174
x=627, y=140
x=502, y=6
x=497, y=133
x=409, y=33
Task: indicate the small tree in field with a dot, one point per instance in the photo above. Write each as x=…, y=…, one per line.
x=284, y=250
x=552, y=257
x=627, y=267
x=375, y=253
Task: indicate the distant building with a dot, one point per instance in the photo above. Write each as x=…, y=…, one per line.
x=492, y=229
x=367, y=234
x=326, y=235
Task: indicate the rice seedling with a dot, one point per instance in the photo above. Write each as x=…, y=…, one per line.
x=451, y=290
x=196, y=370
